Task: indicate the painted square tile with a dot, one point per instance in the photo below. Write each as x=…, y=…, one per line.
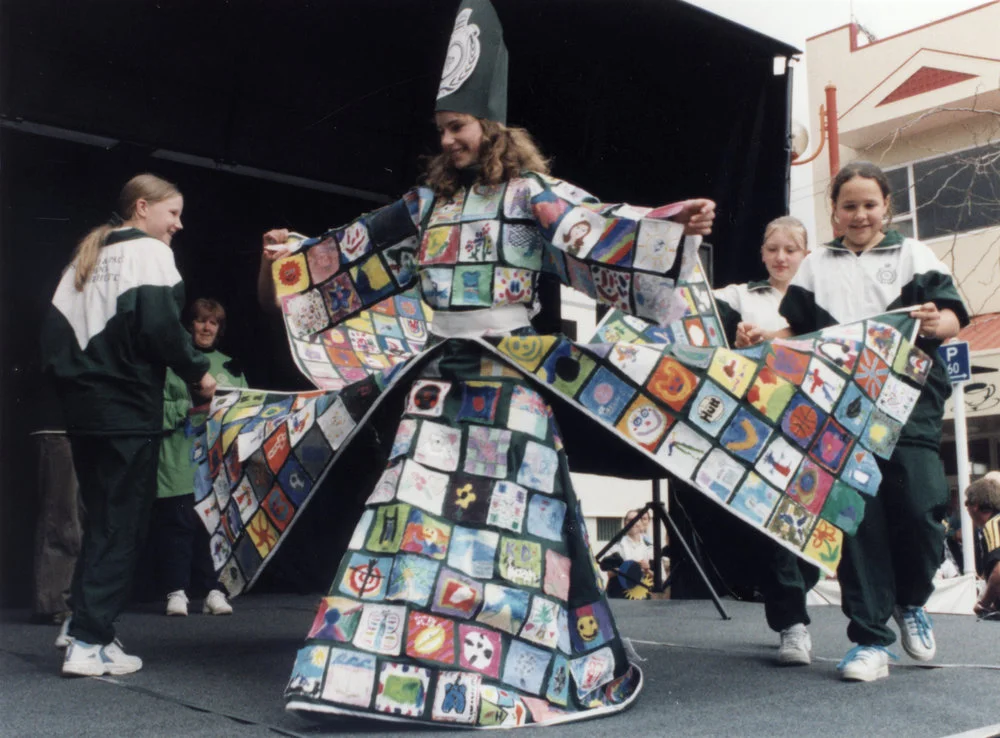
x=365, y=576
x=802, y=420
x=381, y=629
x=779, y=462
x=616, y=244
x=412, y=579
x=881, y=434
x=792, y=522
x=862, y=472
x=637, y=362
x=405, y=433
x=426, y=535
x=336, y=423
x=683, y=449
x=439, y=246
x=422, y=487
x=473, y=551
x=853, y=409
x=755, y=499
x=811, y=487
x=479, y=402
x=480, y=649
x=883, y=339
x=501, y=708
x=545, y=517
x=486, y=451
x=307, y=673
x=385, y=488
x=657, y=244
x=770, y=393
x=567, y=368
x=472, y=286
x=468, y=498
x=387, y=528
x=542, y=625
x=695, y=330
x=525, y=667
x=504, y=608
x=435, y=286
x=305, y=314
x=350, y=678
x=372, y=280
x=732, y=371
x=673, y=383
x=557, y=569
x=844, y=508
x=590, y=627
x=512, y=285
x=402, y=689
x=578, y=231
x=745, y=436
x=787, y=362
x=517, y=199
x=293, y=480
x=507, y=506
x=720, y=474
x=336, y=619
x=478, y=241
x=430, y=637
x=528, y=413
x=825, y=545
x=427, y=398
x=438, y=446
x=456, y=697
x=912, y=362
x=539, y=467
x=457, y=595
x=831, y=446
x=645, y=423
x=521, y=561
x=262, y=532
x=871, y=374
x=712, y=408
x=823, y=385
x=606, y=395
x=897, y=399
x=592, y=671
x=522, y=246
x=557, y=690
x=840, y=352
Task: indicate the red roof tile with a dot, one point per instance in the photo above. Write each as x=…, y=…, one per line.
x=982, y=333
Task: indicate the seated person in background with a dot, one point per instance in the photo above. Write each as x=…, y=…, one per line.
x=630, y=562
x=179, y=538
x=982, y=498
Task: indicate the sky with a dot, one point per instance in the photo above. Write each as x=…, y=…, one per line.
x=793, y=21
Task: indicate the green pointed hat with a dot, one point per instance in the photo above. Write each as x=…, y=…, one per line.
x=474, y=79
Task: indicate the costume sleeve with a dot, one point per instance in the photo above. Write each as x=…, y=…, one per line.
x=156, y=305
x=627, y=257
x=728, y=303
x=991, y=544
x=176, y=402
x=352, y=267
x=932, y=282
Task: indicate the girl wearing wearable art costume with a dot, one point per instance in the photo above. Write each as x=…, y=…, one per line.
x=468, y=594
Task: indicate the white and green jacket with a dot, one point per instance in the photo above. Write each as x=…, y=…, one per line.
x=835, y=285
x=109, y=345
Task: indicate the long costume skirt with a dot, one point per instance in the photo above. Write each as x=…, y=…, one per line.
x=468, y=593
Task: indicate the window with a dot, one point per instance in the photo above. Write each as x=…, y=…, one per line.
x=607, y=528
x=949, y=194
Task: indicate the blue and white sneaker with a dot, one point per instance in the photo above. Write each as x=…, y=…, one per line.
x=86, y=659
x=865, y=664
x=916, y=632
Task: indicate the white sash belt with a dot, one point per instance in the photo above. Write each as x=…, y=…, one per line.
x=495, y=321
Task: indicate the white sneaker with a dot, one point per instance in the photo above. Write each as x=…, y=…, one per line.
x=916, y=632
x=796, y=646
x=216, y=604
x=85, y=659
x=865, y=664
x=63, y=640
x=177, y=603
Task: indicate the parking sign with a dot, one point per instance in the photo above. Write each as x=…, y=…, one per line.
x=956, y=360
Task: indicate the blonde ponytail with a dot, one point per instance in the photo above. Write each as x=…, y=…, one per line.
x=146, y=187
x=87, y=251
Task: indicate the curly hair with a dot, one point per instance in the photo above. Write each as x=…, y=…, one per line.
x=984, y=493
x=505, y=153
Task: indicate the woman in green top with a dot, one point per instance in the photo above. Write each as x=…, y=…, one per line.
x=180, y=540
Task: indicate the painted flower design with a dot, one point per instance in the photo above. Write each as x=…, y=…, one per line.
x=290, y=273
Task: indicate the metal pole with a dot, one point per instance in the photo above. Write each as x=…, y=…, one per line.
x=832, y=130
x=962, y=457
